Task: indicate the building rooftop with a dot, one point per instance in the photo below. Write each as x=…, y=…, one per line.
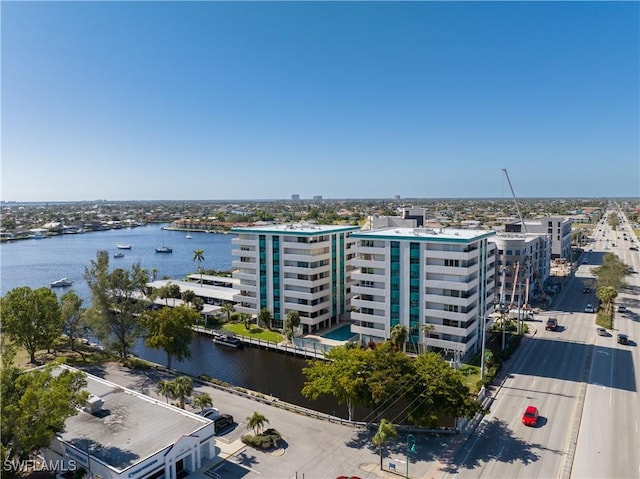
x=222, y=293
x=426, y=234
x=129, y=426
x=300, y=229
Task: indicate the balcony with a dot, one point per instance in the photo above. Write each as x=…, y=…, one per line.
x=361, y=303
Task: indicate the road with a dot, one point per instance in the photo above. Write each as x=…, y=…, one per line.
x=584, y=385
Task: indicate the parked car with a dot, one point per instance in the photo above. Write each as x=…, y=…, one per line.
x=586, y=290
x=552, y=324
x=589, y=309
x=530, y=416
x=622, y=308
x=623, y=339
x=602, y=332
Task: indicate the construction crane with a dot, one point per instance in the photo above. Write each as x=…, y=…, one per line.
x=536, y=275
x=524, y=227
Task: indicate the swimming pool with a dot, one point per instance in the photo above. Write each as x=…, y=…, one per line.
x=343, y=333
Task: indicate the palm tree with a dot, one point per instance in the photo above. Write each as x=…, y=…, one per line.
x=256, y=422
x=399, y=335
x=154, y=272
x=202, y=401
x=198, y=255
x=427, y=329
x=386, y=431
x=264, y=317
x=182, y=387
x=227, y=308
x=606, y=296
x=166, y=389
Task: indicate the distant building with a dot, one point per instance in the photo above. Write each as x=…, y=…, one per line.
x=294, y=267
x=317, y=198
x=443, y=278
x=558, y=227
x=295, y=197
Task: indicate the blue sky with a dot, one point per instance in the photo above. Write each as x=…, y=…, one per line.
x=261, y=100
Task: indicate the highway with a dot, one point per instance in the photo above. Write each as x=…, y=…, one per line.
x=584, y=385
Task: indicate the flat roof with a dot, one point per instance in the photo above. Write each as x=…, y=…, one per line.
x=212, y=277
x=129, y=427
x=203, y=290
x=299, y=229
x=426, y=234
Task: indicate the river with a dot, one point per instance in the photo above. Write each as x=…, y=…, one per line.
x=36, y=263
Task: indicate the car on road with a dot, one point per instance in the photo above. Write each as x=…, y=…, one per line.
x=552, y=324
x=530, y=416
x=589, y=309
x=586, y=290
x=584, y=261
x=623, y=339
x=602, y=332
x=622, y=308
x=633, y=248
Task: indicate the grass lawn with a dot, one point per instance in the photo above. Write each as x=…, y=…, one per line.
x=254, y=332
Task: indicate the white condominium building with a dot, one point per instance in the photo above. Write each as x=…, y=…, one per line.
x=294, y=267
x=441, y=278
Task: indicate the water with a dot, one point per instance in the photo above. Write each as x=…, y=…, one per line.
x=342, y=333
x=36, y=263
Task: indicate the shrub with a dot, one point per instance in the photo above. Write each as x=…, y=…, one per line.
x=268, y=439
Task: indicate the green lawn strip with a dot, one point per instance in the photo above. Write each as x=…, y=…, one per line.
x=254, y=332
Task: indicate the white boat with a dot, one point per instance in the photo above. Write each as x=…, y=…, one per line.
x=118, y=255
x=189, y=237
x=61, y=283
x=123, y=246
x=164, y=249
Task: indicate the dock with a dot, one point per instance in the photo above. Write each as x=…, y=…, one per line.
x=302, y=347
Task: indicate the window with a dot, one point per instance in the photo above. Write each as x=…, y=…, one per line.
x=452, y=308
x=455, y=263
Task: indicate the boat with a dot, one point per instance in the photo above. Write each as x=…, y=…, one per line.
x=189, y=237
x=123, y=246
x=61, y=283
x=118, y=255
x=227, y=340
x=164, y=249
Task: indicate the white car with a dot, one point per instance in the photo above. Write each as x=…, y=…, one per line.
x=589, y=309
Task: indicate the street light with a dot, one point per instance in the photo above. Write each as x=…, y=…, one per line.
x=410, y=440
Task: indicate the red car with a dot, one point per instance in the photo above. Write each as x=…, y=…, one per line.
x=530, y=416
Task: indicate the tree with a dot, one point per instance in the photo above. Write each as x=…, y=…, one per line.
x=341, y=376
x=246, y=319
x=611, y=272
x=31, y=318
x=165, y=388
x=427, y=329
x=188, y=297
x=171, y=329
x=198, y=255
x=182, y=387
x=264, y=318
x=441, y=391
x=227, y=308
x=256, y=422
x=178, y=388
x=399, y=334
x=386, y=430
x=606, y=295
x=116, y=303
x=34, y=407
x=71, y=311
x=202, y=401
x=292, y=321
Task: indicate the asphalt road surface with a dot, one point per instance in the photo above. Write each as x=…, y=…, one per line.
x=584, y=385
